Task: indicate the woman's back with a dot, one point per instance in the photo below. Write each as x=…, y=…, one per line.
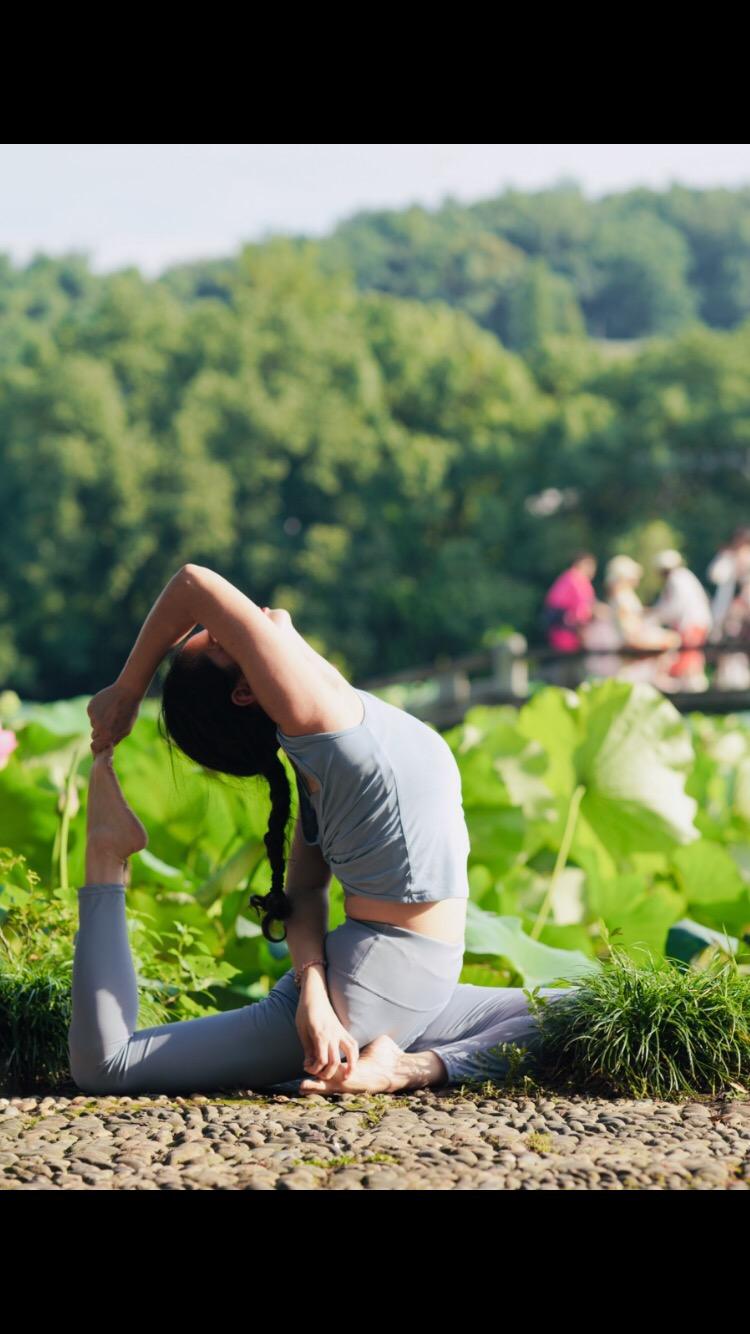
x=385, y=806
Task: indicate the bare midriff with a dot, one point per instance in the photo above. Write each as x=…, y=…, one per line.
x=444, y=919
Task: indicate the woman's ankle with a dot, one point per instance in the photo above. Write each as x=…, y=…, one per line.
x=104, y=865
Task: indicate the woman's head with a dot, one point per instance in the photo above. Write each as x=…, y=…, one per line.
x=208, y=710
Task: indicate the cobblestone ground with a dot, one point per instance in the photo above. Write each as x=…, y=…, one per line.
x=422, y=1140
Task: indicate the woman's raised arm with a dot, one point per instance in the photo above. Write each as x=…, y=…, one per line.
x=294, y=690
x=113, y=711
x=171, y=618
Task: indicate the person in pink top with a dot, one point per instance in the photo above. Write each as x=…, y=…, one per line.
x=569, y=604
x=572, y=596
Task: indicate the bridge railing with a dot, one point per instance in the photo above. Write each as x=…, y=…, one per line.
x=504, y=672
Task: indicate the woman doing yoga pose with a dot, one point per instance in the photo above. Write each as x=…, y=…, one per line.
x=379, y=805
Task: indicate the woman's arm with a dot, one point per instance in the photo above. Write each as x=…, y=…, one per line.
x=114, y=710
x=171, y=618
x=278, y=666
x=320, y=1030
x=308, y=877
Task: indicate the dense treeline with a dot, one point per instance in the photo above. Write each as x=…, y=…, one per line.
x=369, y=461
x=626, y=266
x=523, y=265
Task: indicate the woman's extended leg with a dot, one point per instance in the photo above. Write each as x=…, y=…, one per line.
x=468, y=1033
x=252, y=1046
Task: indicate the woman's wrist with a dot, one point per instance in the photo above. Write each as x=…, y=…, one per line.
x=311, y=976
x=129, y=683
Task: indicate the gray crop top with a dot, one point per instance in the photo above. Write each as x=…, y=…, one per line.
x=388, y=815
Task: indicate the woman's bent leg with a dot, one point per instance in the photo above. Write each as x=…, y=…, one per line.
x=477, y=1020
x=253, y=1046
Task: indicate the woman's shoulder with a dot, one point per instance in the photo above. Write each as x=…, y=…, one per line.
x=341, y=707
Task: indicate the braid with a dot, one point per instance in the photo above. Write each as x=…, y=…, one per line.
x=275, y=903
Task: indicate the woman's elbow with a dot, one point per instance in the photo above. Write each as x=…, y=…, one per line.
x=191, y=573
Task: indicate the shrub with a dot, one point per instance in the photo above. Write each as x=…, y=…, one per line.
x=650, y=1030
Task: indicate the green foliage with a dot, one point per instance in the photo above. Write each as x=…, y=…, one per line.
x=592, y=814
x=36, y=960
x=649, y=1030
x=585, y=812
x=254, y=414
x=635, y=263
x=195, y=947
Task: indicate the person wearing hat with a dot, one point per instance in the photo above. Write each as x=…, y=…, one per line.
x=637, y=625
x=683, y=605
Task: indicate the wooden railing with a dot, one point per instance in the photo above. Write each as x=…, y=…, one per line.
x=500, y=674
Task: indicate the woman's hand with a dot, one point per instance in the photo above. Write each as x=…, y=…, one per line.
x=113, y=712
x=322, y=1034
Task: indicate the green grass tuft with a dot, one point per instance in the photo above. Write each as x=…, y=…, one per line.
x=649, y=1030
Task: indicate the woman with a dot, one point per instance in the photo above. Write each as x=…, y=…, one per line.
x=380, y=804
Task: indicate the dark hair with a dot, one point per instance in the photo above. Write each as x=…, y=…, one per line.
x=198, y=714
x=580, y=555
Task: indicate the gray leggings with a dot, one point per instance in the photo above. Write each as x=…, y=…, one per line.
x=381, y=979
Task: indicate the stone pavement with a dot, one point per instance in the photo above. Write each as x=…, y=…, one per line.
x=430, y=1139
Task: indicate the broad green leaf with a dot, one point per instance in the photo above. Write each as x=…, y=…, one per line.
x=484, y=975
x=538, y=964
x=151, y=870
x=568, y=897
x=481, y=782
x=11, y=708
x=573, y=937
x=229, y=876
x=551, y=718
x=521, y=769
x=480, y=881
x=741, y=802
x=246, y=929
x=642, y=912
x=496, y=836
x=64, y=718
x=633, y=756
x=707, y=873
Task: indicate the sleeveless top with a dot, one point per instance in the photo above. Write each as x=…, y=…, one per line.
x=388, y=815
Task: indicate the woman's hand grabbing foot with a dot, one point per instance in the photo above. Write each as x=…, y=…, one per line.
x=383, y=1068
x=376, y=1071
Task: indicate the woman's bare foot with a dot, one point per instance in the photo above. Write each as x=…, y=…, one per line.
x=113, y=830
x=382, y=1068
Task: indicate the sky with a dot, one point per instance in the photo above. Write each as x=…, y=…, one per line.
x=153, y=205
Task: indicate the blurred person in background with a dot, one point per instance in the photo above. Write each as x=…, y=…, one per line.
x=683, y=606
x=729, y=571
x=602, y=636
x=568, y=606
x=730, y=608
x=638, y=626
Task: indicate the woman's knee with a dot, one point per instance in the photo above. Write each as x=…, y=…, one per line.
x=95, y=1076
